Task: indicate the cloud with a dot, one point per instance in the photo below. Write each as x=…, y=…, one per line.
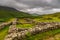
x=41, y=11
x=33, y=6
x=13, y=3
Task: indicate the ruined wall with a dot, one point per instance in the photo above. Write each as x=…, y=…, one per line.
x=20, y=33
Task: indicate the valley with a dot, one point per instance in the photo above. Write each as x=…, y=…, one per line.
x=15, y=25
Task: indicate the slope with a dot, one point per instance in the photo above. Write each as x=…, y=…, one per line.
x=6, y=13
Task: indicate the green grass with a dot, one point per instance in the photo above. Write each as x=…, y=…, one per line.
x=49, y=18
x=25, y=25
x=3, y=32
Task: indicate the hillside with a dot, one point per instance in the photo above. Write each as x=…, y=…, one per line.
x=28, y=21
x=6, y=13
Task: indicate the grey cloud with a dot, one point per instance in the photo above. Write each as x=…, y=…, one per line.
x=41, y=3
x=30, y=4
x=13, y=3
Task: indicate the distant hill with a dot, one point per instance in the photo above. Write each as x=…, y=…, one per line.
x=7, y=8
x=6, y=12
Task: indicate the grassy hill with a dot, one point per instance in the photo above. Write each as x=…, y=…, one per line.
x=6, y=13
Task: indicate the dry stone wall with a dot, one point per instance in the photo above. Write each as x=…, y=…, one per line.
x=20, y=33
x=8, y=23
x=4, y=24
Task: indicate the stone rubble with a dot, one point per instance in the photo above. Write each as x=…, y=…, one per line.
x=20, y=33
x=41, y=27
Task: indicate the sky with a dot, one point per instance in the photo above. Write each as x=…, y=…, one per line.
x=33, y=6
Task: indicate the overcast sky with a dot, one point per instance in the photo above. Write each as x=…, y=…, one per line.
x=33, y=6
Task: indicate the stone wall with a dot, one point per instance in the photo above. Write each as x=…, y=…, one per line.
x=2, y=25
x=20, y=33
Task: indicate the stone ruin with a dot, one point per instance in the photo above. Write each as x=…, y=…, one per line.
x=2, y=25
x=16, y=33
x=20, y=33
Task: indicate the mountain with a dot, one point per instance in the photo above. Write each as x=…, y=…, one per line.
x=11, y=12
x=7, y=12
